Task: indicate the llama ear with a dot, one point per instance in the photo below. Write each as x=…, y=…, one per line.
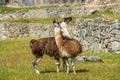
x=55, y=22
x=67, y=19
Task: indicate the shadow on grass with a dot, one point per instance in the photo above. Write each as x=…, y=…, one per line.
x=77, y=71
x=82, y=71
x=49, y=71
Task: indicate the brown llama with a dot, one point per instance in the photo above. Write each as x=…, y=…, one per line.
x=68, y=48
x=47, y=46
x=41, y=46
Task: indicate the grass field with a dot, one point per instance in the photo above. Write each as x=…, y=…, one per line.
x=16, y=64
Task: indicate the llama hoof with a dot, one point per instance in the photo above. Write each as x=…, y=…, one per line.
x=74, y=72
x=58, y=71
x=37, y=71
x=67, y=72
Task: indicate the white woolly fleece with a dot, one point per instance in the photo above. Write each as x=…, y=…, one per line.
x=64, y=29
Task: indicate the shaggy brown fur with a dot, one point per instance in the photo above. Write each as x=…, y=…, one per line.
x=41, y=46
x=70, y=46
x=44, y=45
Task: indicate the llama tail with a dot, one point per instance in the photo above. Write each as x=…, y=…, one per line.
x=31, y=42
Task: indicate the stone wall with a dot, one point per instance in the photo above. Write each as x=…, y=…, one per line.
x=40, y=2
x=98, y=35
x=2, y=2
x=11, y=30
x=94, y=34
x=54, y=2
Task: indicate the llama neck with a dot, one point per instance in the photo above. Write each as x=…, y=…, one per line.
x=64, y=30
x=58, y=38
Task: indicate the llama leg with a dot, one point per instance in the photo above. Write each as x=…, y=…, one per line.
x=64, y=64
x=67, y=66
x=35, y=64
x=58, y=65
x=73, y=66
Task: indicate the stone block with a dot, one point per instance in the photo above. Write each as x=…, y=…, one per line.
x=115, y=46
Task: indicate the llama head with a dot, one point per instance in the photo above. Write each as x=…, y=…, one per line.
x=65, y=21
x=62, y=23
x=57, y=27
x=56, y=23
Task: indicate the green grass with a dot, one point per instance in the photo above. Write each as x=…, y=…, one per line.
x=6, y=10
x=48, y=20
x=106, y=13
x=16, y=64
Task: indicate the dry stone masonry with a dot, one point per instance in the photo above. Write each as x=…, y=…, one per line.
x=53, y=2
x=11, y=30
x=98, y=35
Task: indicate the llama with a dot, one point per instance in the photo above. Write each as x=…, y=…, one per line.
x=48, y=46
x=41, y=46
x=63, y=25
x=68, y=48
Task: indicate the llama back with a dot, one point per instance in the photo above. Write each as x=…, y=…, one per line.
x=51, y=48
x=37, y=46
x=76, y=48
